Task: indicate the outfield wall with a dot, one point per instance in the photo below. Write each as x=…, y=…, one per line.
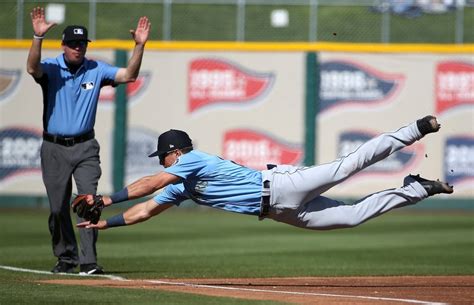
x=249, y=105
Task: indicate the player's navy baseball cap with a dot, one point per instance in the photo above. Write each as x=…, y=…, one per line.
x=171, y=140
x=75, y=32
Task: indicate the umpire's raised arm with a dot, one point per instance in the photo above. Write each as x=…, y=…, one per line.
x=40, y=28
x=140, y=36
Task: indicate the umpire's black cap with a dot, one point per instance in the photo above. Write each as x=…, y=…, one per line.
x=171, y=140
x=75, y=32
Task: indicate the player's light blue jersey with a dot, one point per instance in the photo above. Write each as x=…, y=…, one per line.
x=71, y=99
x=215, y=182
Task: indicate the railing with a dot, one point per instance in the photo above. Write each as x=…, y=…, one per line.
x=427, y=21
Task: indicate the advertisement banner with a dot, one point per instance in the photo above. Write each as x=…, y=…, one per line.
x=250, y=107
x=363, y=95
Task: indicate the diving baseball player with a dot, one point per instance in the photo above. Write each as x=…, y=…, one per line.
x=284, y=193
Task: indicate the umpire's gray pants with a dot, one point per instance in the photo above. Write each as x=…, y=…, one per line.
x=59, y=164
x=295, y=192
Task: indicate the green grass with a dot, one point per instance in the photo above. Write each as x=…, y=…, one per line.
x=26, y=289
x=218, y=22
x=216, y=244
x=191, y=243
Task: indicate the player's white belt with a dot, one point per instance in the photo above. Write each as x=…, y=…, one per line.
x=265, y=205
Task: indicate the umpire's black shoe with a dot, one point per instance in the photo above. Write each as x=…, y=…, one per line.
x=87, y=269
x=63, y=267
x=428, y=124
x=433, y=187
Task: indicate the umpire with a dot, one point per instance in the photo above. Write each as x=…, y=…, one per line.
x=71, y=86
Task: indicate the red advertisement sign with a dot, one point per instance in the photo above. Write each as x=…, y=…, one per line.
x=256, y=150
x=454, y=85
x=214, y=81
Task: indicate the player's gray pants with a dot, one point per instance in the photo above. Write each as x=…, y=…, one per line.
x=295, y=192
x=59, y=164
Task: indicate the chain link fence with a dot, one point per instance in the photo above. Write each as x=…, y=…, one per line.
x=397, y=21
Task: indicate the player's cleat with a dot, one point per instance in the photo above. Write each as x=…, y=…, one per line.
x=428, y=124
x=63, y=267
x=88, y=269
x=433, y=187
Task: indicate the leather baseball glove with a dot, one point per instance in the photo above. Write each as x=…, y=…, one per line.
x=90, y=212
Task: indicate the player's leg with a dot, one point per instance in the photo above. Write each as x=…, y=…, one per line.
x=298, y=185
x=56, y=173
x=327, y=175
x=86, y=176
x=323, y=213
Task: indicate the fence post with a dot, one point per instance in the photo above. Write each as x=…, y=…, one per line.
x=19, y=19
x=385, y=30
x=313, y=20
x=92, y=19
x=312, y=102
x=240, y=19
x=459, y=23
x=120, y=127
x=166, y=20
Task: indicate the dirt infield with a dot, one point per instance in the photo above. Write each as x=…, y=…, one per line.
x=313, y=290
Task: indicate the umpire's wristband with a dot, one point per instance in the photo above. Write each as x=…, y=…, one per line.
x=120, y=196
x=115, y=221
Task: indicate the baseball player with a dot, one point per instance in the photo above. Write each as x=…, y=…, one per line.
x=284, y=193
x=71, y=86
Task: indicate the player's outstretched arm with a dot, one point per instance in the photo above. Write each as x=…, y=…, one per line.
x=140, y=36
x=135, y=214
x=142, y=187
x=40, y=28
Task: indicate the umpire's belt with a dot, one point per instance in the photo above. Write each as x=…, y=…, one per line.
x=265, y=205
x=68, y=141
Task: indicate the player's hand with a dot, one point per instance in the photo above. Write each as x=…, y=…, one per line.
x=101, y=225
x=40, y=26
x=140, y=34
x=107, y=200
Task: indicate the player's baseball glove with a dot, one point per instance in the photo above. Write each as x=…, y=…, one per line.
x=90, y=212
